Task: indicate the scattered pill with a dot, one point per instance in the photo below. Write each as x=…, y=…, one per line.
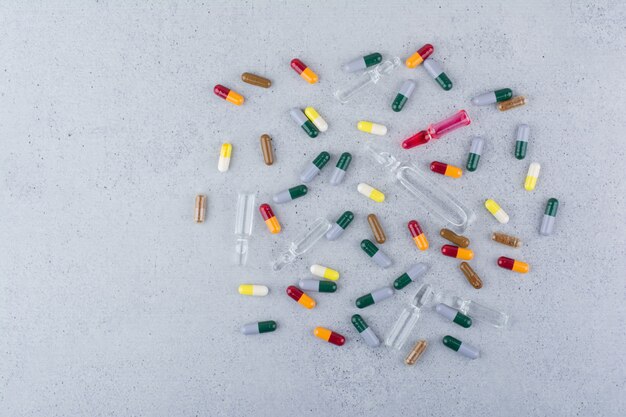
x=290, y=194
x=505, y=239
x=458, y=240
x=532, y=176
x=224, y=161
x=324, y=272
x=418, y=235
x=549, y=217
x=377, y=228
x=228, y=94
x=445, y=169
x=253, y=290
x=374, y=297
x=336, y=230
x=259, y=327
x=317, y=285
x=493, y=97
x=302, y=298
x=415, y=272
x=317, y=120
x=340, y=170
x=371, y=127
x=521, y=142
x=267, y=149
x=371, y=192
x=512, y=103
x=200, y=208
x=366, y=332
x=495, y=209
x=456, y=252
x=453, y=315
x=463, y=348
x=418, y=57
x=434, y=70
x=329, y=336
x=476, y=149
x=254, y=79
x=472, y=277
x=416, y=352
x=305, y=72
x=405, y=92
x=314, y=168
x=363, y=62
x=377, y=255
x=513, y=265
x=304, y=122
x=269, y=218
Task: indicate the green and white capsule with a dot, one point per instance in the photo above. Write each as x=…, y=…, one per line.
x=363, y=62
x=376, y=254
x=374, y=297
x=366, y=332
x=405, y=92
x=259, y=327
x=290, y=194
x=453, y=315
x=463, y=348
x=317, y=285
x=549, y=217
x=493, y=97
x=304, y=122
x=336, y=230
x=434, y=69
x=315, y=167
x=413, y=274
x=521, y=142
x=340, y=170
x=476, y=150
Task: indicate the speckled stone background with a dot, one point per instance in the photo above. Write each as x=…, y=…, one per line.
x=113, y=302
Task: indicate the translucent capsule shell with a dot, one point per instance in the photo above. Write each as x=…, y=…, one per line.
x=416, y=352
x=200, y=208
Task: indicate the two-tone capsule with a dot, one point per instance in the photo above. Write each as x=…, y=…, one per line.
x=404, y=93
x=549, y=217
x=378, y=256
x=199, y=211
x=290, y=194
x=460, y=241
x=315, y=167
x=253, y=290
x=460, y=347
x=418, y=57
x=521, y=141
x=377, y=228
x=302, y=298
x=434, y=70
x=340, y=169
x=317, y=120
x=317, y=285
x=497, y=212
x=224, y=162
x=324, y=272
x=532, y=176
x=372, y=128
x=493, y=97
x=337, y=229
x=418, y=235
x=471, y=276
x=374, y=297
x=446, y=169
x=415, y=272
x=363, y=62
x=453, y=315
x=305, y=72
x=458, y=253
x=366, y=332
x=329, y=336
x=304, y=122
x=476, y=149
x=269, y=218
x=513, y=265
x=371, y=192
x=256, y=80
x=512, y=103
x=229, y=95
x=259, y=327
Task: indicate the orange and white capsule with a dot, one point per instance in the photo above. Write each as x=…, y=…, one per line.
x=418, y=235
x=304, y=71
x=445, y=169
x=270, y=219
x=224, y=161
x=228, y=95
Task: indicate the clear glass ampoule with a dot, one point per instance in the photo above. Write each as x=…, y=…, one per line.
x=449, y=124
x=472, y=309
x=369, y=78
x=407, y=320
x=303, y=243
x=243, y=225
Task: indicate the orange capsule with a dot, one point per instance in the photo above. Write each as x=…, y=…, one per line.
x=270, y=219
x=228, y=95
x=418, y=235
x=301, y=297
x=304, y=71
x=456, y=252
x=446, y=169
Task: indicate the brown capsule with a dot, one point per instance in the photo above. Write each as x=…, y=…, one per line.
x=460, y=241
x=200, y=210
x=267, y=148
x=512, y=103
x=506, y=239
x=416, y=352
x=472, y=277
x=377, y=229
x=257, y=80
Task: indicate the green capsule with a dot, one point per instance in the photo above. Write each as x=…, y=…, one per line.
x=405, y=92
x=368, y=247
x=317, y=285
x=298, y=191
x=365, y=301
x=344, y=161
x=304, y=122
x=463, y=348
x=345, y=219
x=374, y=297
x=267, y=326
x=521, y=143
x=434, y=70
x=552, y=207
x=402, y=281
x=321, y=159
x=359, y=323
x=453, y=315
x=444, y=81
x=372, y=59
x=503, y=95
x=475, y=151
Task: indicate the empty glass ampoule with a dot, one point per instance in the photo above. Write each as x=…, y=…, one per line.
x=408, y=318
x=431, y=197
x=303, y=243
x=243, y=225
x=369, y=78
x=471, y=308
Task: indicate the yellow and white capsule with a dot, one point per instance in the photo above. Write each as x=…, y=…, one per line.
x=224, y=162
x=373, y=128
x=532, y=176
x=324, y=272
x=253, y=290
x=316, y=119
x=495, y=209
x=371, y=192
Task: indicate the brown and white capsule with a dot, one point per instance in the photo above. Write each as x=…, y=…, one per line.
x=472, y=277
x=200, y=209
x=508, y=240
x=267, y=149
x=257, y=80
x=377, y=228
x=416, y=352
x=460, y=241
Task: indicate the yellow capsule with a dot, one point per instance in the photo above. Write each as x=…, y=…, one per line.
x=316, y=119
x=371, y=192
x=532, y=176
x=253, y=289
x=373, y=128
x=495, y=209
x=224, y=161
x=324, y=272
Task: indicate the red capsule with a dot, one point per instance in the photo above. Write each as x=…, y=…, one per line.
x=304, y=71
x=418, y=235
x=228, y=94
x=456, y=252
x=415, y=228
x=418, y=57
x=270, y=219
x=302, y=298
x=513, y=265
x=417, y=139
x=446, y=169
x=266, y=211
x=329, y=336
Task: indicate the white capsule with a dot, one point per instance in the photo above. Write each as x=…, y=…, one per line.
x=371, y=127
x=316, y=119
x=324, y=272
x=253, y=290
